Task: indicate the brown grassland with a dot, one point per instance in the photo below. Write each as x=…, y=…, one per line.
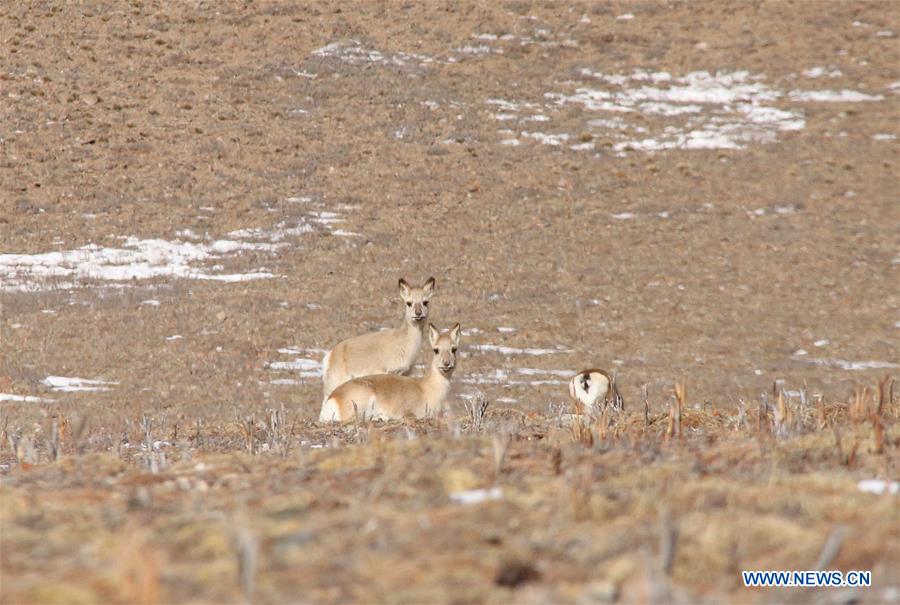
x=646, y=507
x=198, y=199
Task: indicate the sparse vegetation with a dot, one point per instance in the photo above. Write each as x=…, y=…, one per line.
x=200, y=200
x=607, y=508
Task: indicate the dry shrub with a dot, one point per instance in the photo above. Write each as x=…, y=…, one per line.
x=676, y=408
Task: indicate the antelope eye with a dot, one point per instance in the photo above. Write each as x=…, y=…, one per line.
x=435, y=351
x=453, y=350
x=409, y=304
x=425, y=302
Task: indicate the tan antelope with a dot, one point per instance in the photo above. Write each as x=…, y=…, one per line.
x=387, y=396
x=592, y=391
x=386, y=352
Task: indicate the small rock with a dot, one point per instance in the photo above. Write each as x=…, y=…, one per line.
x=514, y=573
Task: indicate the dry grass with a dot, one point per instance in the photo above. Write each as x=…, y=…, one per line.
x=634, y=506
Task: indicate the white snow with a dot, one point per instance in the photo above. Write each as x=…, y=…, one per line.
x=137, y=259
x=308, y=367
x=71, y=384
x=353, y=52
x=546, y=139
x=539, y=372
x=849, y=365
x=24, y=398
x=515, y=351
x=701, y=110
x=511, y=106
x=140, y=259
x=475, y=496
x=832, y=96
x=878, y=486
x=819, y=72
x=481, y=49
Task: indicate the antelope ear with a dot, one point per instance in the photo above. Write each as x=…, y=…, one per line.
x=404, y=288
x=433, y=334
x=429, y=287
x=454, y=334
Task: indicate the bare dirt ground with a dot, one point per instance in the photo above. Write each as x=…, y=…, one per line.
x=199, y=199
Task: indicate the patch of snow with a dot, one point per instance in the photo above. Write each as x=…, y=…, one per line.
x=476, y=496
x=724, y=110
x=481, y=49
x=137, y=259
x=878, y=486
x=511, y=106
x=71, y=384
x=819, y=72
x=832, y=96
x=624, y=216
x=884, y=137
x=23, y=398
x=506, y=330
x=539, y=372
x=625, y=17
x=174, y=337
x=850, y=365
x=150, y=302
x=308, y=365
x=353, y=52
x=487, y=348
x=546, y=139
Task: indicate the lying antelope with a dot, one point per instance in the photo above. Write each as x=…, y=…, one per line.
x=386, y=352
x=387, y=396
x=592, y=391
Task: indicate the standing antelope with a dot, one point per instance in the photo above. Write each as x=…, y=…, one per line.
x=592, y=391
x=386, y=352
x=387, y=396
